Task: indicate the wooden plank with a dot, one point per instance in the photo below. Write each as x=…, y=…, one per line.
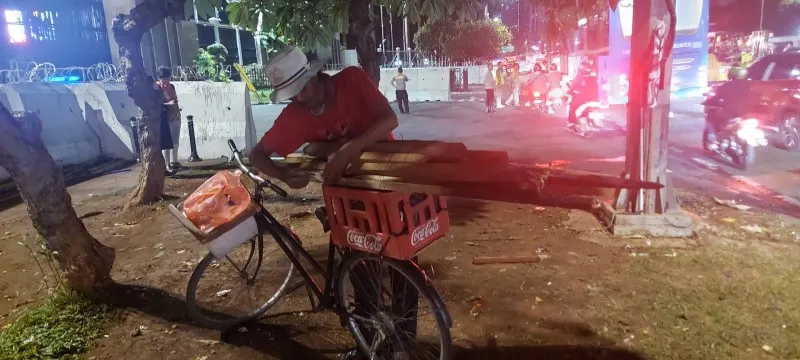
x=431, y=173
x=431, y=148
x=486, y=191
x=472, y=157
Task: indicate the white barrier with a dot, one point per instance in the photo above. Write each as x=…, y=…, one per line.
x=64, y=131
x=221, y=111
x=475, y=74
x=85, y=122
x=107, y=109
x=424, y=84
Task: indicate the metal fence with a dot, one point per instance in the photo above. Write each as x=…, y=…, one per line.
x=49, y=73
x=418, y=59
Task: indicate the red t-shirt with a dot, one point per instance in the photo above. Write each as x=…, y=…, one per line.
x=357, y=103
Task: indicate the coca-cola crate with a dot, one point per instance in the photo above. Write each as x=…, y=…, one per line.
x=393, y=224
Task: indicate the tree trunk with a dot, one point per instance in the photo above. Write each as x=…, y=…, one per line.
x=86, y=262
x=128, y=31
x=362, y=31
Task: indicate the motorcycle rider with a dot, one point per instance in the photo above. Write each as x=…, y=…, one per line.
x=582, y=90
x=539, y=83
x=555, y=90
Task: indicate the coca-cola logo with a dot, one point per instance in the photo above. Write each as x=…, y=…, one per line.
x=370, y=242
x=423, y=232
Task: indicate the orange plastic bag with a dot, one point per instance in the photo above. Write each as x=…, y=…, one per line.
x=220, y=199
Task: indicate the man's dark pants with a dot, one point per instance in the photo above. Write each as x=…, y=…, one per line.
x=402, y=100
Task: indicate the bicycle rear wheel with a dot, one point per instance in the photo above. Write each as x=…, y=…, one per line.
x=223, y=293
x=385, y=327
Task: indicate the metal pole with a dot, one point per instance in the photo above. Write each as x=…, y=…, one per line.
x=406, y=47
x=391, y=30
x=239, y=46
x=761, y=22
x=648, y=123
x=192, y=144
x=383, y=32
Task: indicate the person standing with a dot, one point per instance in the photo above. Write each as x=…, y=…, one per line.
x=399, y=82
x=500, y=78
x=514, y=82
x=170, y=119
x=489, y=85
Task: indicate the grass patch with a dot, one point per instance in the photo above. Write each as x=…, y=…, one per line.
x=712, y=303
x=62, y=328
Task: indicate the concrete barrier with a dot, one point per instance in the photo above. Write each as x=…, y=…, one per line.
x=221, y=111
x=85, y=122
x=475, y=74
x=424, y=84
x=107, y=109
x=64, y=131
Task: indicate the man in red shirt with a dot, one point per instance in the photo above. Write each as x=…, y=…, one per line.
x=347, y=105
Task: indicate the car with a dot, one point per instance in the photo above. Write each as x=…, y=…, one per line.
x=768, y=90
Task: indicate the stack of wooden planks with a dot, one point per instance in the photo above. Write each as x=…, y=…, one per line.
x=451, y=169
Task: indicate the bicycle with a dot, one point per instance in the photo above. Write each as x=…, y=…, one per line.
x=376, y=328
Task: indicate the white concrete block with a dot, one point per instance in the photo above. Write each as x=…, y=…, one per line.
x=107, y=110
x=221, y=111
x=64, y=130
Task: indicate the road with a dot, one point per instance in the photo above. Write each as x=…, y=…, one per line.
x=771, y=184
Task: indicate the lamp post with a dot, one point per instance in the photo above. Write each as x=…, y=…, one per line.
x=653, y=212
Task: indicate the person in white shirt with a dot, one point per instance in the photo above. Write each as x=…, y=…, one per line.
x=489, y=84
x=399, y=83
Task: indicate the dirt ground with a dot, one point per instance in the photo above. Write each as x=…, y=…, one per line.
x=590, y=297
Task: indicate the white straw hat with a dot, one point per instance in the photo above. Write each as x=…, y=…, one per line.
x=289, y=71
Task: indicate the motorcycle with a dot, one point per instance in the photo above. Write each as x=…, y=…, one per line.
x=539, y=103
x=555, y=98
x=591, y=119
x=736, y=141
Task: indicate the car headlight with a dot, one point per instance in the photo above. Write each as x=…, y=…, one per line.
x=750, y=124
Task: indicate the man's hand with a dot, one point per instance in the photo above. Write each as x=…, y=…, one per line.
x=296, y=179
x=338, y=163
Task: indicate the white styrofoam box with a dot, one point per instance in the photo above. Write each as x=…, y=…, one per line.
x=227, y=242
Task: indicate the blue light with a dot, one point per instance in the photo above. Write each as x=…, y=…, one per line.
x=64, y=79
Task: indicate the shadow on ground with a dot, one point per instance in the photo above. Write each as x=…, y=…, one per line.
x=549, y=352
x=273, y=340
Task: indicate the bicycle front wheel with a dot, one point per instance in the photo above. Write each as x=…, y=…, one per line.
x=392, y=310
x=242, y=286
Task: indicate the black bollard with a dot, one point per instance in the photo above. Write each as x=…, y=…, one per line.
x=193, y=157
x=135, y=128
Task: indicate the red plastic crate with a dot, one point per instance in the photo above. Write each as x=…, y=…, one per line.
x=393, y=224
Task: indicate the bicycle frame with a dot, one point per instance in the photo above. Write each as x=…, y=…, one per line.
x=289, y=244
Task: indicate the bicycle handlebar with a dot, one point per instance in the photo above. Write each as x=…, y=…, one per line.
x=260, y=182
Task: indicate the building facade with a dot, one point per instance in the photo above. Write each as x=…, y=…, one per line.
x=63, y=32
